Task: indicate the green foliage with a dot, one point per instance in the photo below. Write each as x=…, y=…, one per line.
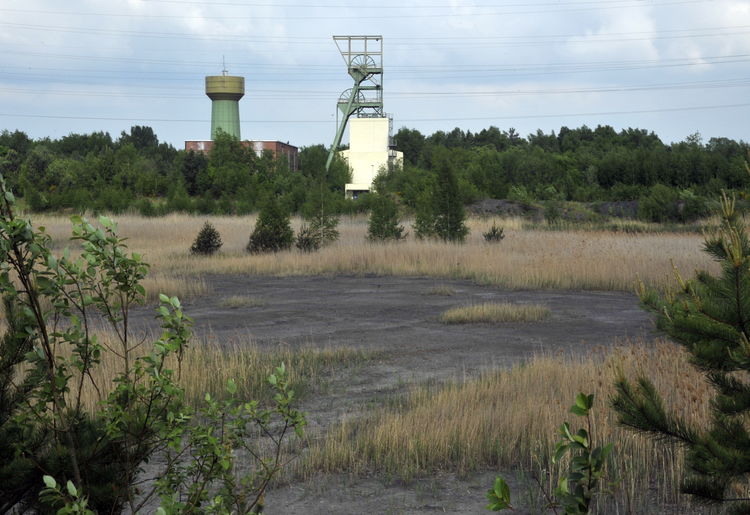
x=67, y=501
x=324, y=226
x=494, y=234
x=207, y=242
x=708, y=315
x=52, y=304
x=659, y=205
x=448, y=209
x=273, y=231
x=384, y=222
x=499, y=496
x=552, y=211
x=577, y=489
x=308, y=239
x=217, y=480
x=424, y=217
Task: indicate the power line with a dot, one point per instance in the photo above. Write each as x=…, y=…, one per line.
x=581, y=6
x=468, y=118
x=497, y=41
x=295, y=94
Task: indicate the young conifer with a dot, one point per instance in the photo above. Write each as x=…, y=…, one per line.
x=207, y=242
x=273, y=231
x=384, y=223
x=448, y=207
x=710, y=316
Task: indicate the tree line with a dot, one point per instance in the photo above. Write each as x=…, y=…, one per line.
x=137, y=171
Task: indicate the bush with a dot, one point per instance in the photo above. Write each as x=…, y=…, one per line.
x=324, y=226
x=552, y=211
x=145, y=207
x=48, y=436
x=207, y=242
x=494, y=235
x=308, y=239
x=424, y=218
x=384, y=222
x=448, y=207
x=272, y=231
x=660, y=205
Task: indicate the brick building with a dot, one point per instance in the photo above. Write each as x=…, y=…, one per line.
x=277, y=148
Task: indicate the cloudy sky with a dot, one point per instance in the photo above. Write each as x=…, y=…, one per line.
x=672, y=66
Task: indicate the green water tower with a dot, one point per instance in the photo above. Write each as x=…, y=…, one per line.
x=225, y=92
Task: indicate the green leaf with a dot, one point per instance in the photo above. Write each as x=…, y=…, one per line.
x=581, y=412
x=584, y=403
x=72, y=489
x=499, y=495
x=49, y=481
x=163, y=298
x=231, y=387
x=9, y=197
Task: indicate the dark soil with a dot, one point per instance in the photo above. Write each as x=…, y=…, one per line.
x=398, y=316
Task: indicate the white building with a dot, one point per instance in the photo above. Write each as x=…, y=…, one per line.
x=369, y=152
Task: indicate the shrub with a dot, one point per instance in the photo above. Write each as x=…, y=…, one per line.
x=323, y=225
x=552, y=211
x=494, y=235
x=659, y=205
x=273, y=231
x=448, y=206
x=424, y=218
x=207, y=242
x=384, y=222
x=49, y=359
x=577, y=489
x=308, y=239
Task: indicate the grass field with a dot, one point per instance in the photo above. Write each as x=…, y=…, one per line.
x=501, y=419
x=526, y=258
x=511, y=419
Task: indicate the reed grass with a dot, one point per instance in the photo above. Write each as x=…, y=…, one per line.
x=526, y=258
x=206, y=368
x=510, y=418
x=494, y=313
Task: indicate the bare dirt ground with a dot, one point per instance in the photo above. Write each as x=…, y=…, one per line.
x=398, y=316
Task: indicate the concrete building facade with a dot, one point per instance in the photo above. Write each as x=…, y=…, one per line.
x=369, y=152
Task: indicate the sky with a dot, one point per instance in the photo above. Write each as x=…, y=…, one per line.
x=674, y=67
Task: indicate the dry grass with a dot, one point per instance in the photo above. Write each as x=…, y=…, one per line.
x=510, y=419
x=206, y=368
x=495, y=312
x=527, y=258
x=242, y=301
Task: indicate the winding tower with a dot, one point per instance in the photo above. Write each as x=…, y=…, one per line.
x=370, y=147
x=363, y=56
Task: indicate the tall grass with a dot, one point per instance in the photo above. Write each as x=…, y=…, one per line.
x=510, y=419
x=495, y=312
x=206, y=368
x=526, y=258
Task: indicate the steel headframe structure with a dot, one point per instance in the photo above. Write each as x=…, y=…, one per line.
x=363, y=56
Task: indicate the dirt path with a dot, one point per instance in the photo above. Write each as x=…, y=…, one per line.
x=399, y=316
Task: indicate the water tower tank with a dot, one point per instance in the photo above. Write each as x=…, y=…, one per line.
x=225, y=92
